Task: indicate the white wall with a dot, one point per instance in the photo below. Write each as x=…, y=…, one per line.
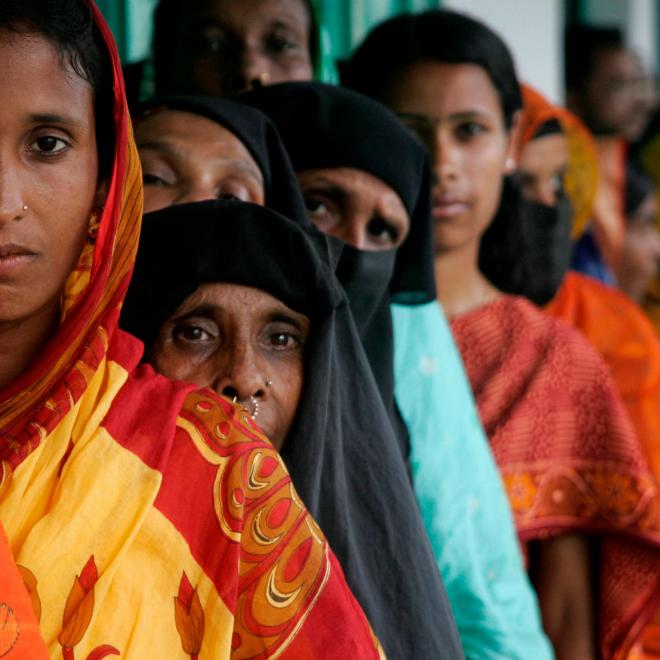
x=533, y=29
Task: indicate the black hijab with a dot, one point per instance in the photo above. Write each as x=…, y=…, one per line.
x=258, y=135
x=341, y=452
x=324, y=126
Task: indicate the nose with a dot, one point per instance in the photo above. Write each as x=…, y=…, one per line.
x=353, y=231
x=445, y=157
x=546, y=194
x=239, y=373
x=12, y=206
x=255, y=68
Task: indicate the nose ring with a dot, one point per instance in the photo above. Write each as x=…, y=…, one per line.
x=255, y=407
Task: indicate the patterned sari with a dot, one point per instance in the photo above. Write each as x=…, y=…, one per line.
x=150, y=520
x=567, y=453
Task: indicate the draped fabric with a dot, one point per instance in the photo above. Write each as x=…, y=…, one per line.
x=19, y=632
x=340, y=450
x=567, y=453
x=469, y=521
x=611, y=322
x=148, y=519
x=649, y=158
x=581, y=180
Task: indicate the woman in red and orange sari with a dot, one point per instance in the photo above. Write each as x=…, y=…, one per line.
x=147, y=518
x=586, y=506
x=612, y=322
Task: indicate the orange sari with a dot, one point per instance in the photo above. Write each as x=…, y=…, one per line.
x=19, y=632
x=567, y=453
x=613, y=324
x=150, y=520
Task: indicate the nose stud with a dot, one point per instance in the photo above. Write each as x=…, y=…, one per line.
x=25, y=207
x=269, y=383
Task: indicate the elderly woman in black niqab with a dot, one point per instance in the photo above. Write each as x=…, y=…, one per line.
x=340, y=448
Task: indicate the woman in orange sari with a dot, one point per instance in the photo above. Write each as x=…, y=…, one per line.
x=613, y=324
x=574, y=473
x=148, y=519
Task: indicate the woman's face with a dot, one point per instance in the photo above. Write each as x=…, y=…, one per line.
x=48, y=174
x=354, y=206
x=640, y=258
x=542, y=168
x=243, y=343
x=456, y=112
x=189, y=158
x=231, y=45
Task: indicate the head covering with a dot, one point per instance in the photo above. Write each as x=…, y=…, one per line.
x=581, y=180
x=323, y=126
x=258, y=135
x=639, y=187
x=181, y=563
x=341, y=451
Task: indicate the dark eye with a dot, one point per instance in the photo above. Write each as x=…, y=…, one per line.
x=192, y=333
x=315, y=206
x=153, y=180
x=278, y=43
x=470, y=129
x=49, y=145
x=282, y=340
x=382, y=230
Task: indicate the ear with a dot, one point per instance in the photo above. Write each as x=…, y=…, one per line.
x=513, y=145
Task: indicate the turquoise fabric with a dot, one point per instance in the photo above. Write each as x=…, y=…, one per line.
x=460, y=494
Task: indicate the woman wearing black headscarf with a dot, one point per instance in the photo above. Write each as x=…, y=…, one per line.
x=340, y=448
x=325, y=127
x=194, y=148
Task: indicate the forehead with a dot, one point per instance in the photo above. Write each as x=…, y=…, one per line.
x=546, y=153
x=201, y=135
x=243, y=14
x=446, y=88
x=237, y=300
x=34, y=76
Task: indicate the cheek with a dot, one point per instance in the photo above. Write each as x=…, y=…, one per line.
x=175, y=364
x=157, y=198
x=288, y=379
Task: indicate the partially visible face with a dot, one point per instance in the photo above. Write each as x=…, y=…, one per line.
x=189, y=158
x=618, y=97
x=542, y=168
x=355, y=206
x=640, y=259
x=455, y=110
x=243, y=343
x=48, y=174
x=231, y=45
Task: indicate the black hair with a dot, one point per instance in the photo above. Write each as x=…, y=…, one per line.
x=437, y=35
x=71, y=28
x=582, y=44
x=639, y=186
x=167, y=21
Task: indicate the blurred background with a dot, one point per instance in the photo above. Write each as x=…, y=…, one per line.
x=532, y=28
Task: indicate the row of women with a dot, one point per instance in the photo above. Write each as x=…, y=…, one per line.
x=241, y=426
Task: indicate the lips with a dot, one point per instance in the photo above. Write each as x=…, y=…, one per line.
x=447, y=207
x=13, y=257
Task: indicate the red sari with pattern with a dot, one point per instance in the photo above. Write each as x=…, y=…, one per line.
x=150, y=520
x=567, y=453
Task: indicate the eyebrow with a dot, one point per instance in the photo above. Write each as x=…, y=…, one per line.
x=170, y=149
x=330, y=188
x=53, y=118
x=283, y=317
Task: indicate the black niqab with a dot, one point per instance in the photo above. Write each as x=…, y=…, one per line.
x=341, y=451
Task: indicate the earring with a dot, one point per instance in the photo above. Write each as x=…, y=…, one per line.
x=94, y=224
